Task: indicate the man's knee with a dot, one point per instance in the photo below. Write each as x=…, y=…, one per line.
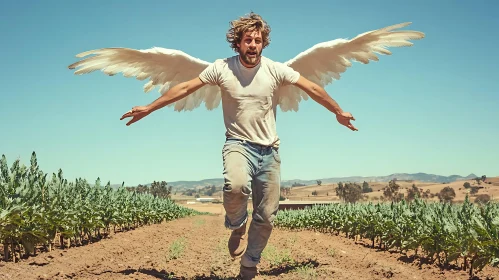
x=265, y=215
x=237, y=187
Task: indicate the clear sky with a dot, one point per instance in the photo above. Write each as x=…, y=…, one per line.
x=430, y=108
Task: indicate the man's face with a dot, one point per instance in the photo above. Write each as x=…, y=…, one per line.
x=250, y=48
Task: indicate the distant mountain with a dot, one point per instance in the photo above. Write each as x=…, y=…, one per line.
x=188, y=184
x=422, y=177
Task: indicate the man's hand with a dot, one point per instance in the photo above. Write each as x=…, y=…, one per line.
x=344, y=119
x=137, y=113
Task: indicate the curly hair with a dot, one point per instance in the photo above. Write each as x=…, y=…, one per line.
x=251, y=22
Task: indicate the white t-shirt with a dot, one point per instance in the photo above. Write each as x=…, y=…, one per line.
x=248, y=101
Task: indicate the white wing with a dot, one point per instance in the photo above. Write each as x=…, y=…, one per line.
x=327, y=60
x=164, y=67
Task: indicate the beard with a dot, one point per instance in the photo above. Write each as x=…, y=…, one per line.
x=251, y=59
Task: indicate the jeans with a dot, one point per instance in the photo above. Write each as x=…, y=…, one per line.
x=251, y=169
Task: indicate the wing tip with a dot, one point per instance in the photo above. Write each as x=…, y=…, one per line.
x=403, y=24
x=73, y=67
x=95, y=51
x=395, y=26
x=85, y=53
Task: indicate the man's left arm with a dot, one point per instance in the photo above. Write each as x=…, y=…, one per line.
x=319, y=95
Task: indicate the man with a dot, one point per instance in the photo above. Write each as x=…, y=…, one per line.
x=250, y=155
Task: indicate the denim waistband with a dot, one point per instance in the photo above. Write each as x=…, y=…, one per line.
x=249, y=143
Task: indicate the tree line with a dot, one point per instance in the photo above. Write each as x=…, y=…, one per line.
x=157, y=189
x=353, y=192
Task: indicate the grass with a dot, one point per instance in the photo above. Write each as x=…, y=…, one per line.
x=177, y=248
x=307, y=271
x=275, y=256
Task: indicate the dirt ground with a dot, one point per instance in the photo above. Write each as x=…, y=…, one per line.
x=195, y=248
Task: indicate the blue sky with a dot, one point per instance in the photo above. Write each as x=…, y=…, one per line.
x=430, y=108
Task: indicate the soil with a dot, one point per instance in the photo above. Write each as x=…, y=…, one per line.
x=195, y=248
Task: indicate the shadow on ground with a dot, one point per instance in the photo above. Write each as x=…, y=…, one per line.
x=283, y=269
x=151, y=272
x=276, y=271
x=171, y=276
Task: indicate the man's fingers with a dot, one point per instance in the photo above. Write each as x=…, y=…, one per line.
x=126, y=115
x=134, y=119
x=348, y=116
x=350, y=125
x=131, y=121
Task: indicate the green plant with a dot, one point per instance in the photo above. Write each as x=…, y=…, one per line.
x=36, y=209
x=441, y=232
x=177, y=248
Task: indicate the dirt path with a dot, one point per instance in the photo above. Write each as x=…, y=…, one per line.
x=195, y=248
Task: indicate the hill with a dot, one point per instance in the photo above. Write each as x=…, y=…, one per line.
x=421, y=177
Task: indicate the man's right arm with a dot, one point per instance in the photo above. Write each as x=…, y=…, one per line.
x=176, y=93
x=210, y=75
x=173, y=94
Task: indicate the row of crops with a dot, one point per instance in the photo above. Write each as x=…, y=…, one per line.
x=36, y=210
x=466, y=233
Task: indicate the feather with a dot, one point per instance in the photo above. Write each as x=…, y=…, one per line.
x=325, y=62
x=164, y=68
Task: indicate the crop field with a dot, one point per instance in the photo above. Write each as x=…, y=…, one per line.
x=464, y=235
x=51, y=228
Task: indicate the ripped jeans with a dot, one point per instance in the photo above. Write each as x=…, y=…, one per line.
x=251, y=169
